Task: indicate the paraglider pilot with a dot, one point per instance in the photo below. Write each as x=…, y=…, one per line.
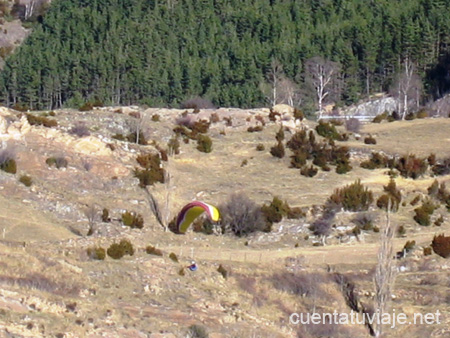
x=193, y=266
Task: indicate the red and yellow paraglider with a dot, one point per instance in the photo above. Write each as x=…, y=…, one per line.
x=191, y=211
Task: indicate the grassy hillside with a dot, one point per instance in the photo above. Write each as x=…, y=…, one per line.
x=50, y=286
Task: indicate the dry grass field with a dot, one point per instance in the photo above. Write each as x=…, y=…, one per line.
x=50, y=287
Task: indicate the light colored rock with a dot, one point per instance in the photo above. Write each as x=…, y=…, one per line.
x=3, y=125
x=25, y=126
x=283, y=109
x=91, y=145
x=129, y=110
x=14, y=132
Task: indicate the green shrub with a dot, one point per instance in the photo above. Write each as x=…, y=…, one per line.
x=432, y=159
x=422, y=113
x=173, y=257
x=438, y=222
x=377, y=160
x=409, y=246
x=174, y=145
x=96, y=253
x=9, y=166
x=26, y=180
x=300, y=141
x=275, y=211
x=132, y=220
x=442, y=167
x=118, y=250
x=260, y=147
x=392, y=195
x=279, y=136
x=278, y=150
x=424, y=212
x=370, y=140
x=310, y=171
x=415, y=200
x=204, y=143
x=422, y=217
x=328, y=131
x=364, y=221
x=58, y=162
x=353, y=197
x=441, y=245
x=151, y=250
x=433, y=188
x=86, y=106
x=105, y=215
x=295, y=213
x=298, y=114
x=427, y=251
x=380, y=118
x=132, y=138
x=298, y=158
x=343, y=167
x=410, y=117
x=222, y=271
x=152, y=172
x=410, y=166
x=41, y=121
x=197, y=331
x=401, y=231
x=255, y=129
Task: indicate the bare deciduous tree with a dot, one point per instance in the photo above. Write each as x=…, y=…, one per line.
x=407, y=88
x=385, y=271
x=91, y=214
x=320, y=74
x=274, y=77
x=162, y=214
x=289, y=92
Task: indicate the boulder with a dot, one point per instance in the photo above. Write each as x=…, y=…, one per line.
x=283, y=110
x=3, y=125
x=91, y=145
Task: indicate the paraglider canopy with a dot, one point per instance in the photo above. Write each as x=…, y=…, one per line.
x=191, y=211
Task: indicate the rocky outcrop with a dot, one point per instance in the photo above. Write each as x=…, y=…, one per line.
x=372, y=108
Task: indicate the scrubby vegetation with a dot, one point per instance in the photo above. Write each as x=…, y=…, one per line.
x=151, y=250
x=36, y=120
x=204, y=143
x=96, y=253
x=26, y=180
x=305, y=147
x=441, y=245
x=59, y=162
x=151, y=171
x=353, y=197
x=391, y=198
x=118, y=250
x=278, y=150
x=224, y=272
x=376, y=161
x=411, y=167
x=423, y=213
x=370, y=140
x=7, y=161
x=241, y=216
x=328, y=131
x=132, y=220
x=80, y=129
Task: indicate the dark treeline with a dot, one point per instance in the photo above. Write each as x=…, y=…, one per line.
x=161, y=53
